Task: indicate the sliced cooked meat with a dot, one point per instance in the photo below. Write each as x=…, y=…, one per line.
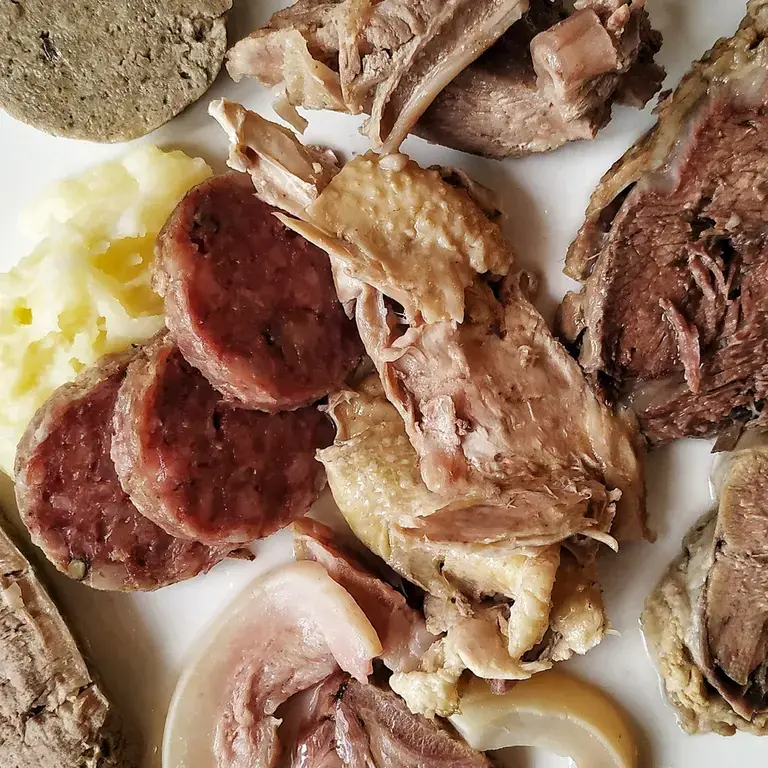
x=672, y=316
x=484, y=404
x=203, y=469
x=708, y=619
x=506, y=102
x=52, y=713
x=71, y=501
x=250, y=303
x=389, y=59
x=286, y=633
x=400, y=628
x=375, y=728
x=373, y=472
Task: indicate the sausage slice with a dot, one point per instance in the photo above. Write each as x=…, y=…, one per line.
x=71, y=501
x=249, y=303
x=203, y=469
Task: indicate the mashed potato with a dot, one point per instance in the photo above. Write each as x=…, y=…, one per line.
x=85, y=288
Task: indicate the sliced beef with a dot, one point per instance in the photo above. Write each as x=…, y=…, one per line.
x=673, y=316
x=250, y=303
x=505, y=103
x=203, y=469
x=401, y=629
x=375, y=728
x=52, y=713
x=71, y=501
x=708, y=619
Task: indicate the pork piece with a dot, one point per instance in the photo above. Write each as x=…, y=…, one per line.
x=287, y=634
x=506, y=427
x=249, y=303
x=672, y=316
x=52, y=712
x=71, y=501
x=551, y=78
x=389, y=59
x=492, y=601
x=375, y=728
x=708, y=619
x=203, y=469
x=400, y=628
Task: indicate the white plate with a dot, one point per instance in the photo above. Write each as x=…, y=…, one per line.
x=139, y=642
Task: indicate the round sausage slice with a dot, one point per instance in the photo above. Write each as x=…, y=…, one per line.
x=249, y=303
x=71, y=501
x=203, y=469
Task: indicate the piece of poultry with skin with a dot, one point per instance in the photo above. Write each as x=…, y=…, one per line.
x=400, y=628
x=389, y=59
x=373, y=473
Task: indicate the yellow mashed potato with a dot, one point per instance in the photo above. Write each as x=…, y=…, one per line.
x=85, y=289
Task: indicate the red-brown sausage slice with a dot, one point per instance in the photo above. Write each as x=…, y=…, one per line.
x=72, y=503
x=249, y=303
x=201, y=468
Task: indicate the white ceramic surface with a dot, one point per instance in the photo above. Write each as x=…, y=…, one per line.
x=139, y=642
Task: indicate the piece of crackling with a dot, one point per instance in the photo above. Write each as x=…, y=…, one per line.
x=554, y=711
x=383, y=220
x=286, y=632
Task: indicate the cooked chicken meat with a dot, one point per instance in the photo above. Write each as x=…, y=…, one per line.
x=52, y=712
x=672, y=316
x=708, y=619
x=389, y=58
x=551, y=77
x=493, y=601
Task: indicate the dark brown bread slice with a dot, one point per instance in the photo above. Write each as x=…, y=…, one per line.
x=107, y=70
x=71, y=501
x=250, y=303
x=203, y=469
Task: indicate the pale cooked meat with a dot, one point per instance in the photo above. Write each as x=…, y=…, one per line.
x=309, y=626
x=484, y=404
x=403, y=229
x=400, y=627
x=672, y=316
x=52, y=712
x=387, y=58
x=374, y=476
x=708, y=619
x=375, y=728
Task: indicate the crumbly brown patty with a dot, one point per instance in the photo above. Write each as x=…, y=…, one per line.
x=107, y=70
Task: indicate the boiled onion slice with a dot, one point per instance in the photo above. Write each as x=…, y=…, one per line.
x=553, y=711
x=281, y=626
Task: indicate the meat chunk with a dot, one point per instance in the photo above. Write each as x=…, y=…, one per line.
x=551, y=78
x=375, y=728
x=400, y=628
x=52, y=712
x=708, y=619
x=203, y=469
x=390, y=59
x=249, y=303
x=672, y=316
x=374, y=475
x=71, y=501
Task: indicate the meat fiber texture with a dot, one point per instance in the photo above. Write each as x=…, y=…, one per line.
x=706, y=622
x=672, y=316
x=551, y=77
x=52, y=712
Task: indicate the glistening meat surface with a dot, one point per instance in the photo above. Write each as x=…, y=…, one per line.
x=204, y=469
x=672, y=317
x=71, y=501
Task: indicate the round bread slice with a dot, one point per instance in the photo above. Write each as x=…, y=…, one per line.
x=71, y=501
x=107, y=70
x=203, y=469
x=250, y=303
